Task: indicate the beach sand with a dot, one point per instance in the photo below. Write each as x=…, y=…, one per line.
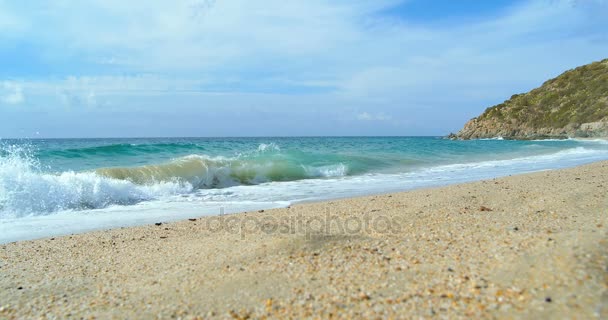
x=531, y=246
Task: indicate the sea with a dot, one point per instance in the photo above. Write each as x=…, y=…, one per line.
x=52, y=187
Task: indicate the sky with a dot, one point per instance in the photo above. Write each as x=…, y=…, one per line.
x=116, y=68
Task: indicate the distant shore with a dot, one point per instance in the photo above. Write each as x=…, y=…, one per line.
x=453, y=136
x=532, y=245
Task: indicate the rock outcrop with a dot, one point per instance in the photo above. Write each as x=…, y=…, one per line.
x=575, y=104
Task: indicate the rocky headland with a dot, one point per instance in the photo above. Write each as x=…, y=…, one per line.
x=572, y=105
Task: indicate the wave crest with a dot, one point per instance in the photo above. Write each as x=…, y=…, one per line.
x=25, y=189
x=206, y=172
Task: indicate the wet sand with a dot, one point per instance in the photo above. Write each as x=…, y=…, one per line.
x=531, y=246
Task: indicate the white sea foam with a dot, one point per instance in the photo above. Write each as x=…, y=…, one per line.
x=338, y=170
x=494, y=138
x=596, y=141
x=26, y=190
x=569, y=155
x=580, y=140
x=264, y=147
x=85, y=201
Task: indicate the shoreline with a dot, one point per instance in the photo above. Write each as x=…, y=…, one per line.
x=525, y=245
x=65, y=223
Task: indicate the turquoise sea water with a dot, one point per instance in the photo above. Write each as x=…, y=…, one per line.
x=61, y=186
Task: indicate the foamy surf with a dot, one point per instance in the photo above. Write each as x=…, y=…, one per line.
x=38, y=200
x=26, y=190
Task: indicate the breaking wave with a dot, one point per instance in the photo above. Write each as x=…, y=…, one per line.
x=204, y=172
x=25, y=187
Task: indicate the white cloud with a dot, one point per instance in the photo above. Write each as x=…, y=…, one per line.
x=86, y=90
x=193, y=35
x=11, y=93
x=366, y=116
x=345, y=44
x=325, y=42
x=265, y=55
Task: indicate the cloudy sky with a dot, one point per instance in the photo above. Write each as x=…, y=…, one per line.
x=110, y=68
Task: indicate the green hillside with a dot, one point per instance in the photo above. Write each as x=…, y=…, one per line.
x=558, y=108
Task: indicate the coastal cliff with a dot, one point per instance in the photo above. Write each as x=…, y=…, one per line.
x=575, y=104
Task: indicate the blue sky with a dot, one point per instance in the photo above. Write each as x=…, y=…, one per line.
x=111, y=68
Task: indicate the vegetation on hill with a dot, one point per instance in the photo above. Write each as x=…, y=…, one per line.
x=558, y=108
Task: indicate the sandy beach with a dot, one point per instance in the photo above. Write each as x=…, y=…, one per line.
x=529, y=246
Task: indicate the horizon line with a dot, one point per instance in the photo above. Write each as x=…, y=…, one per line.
x=226, y=137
